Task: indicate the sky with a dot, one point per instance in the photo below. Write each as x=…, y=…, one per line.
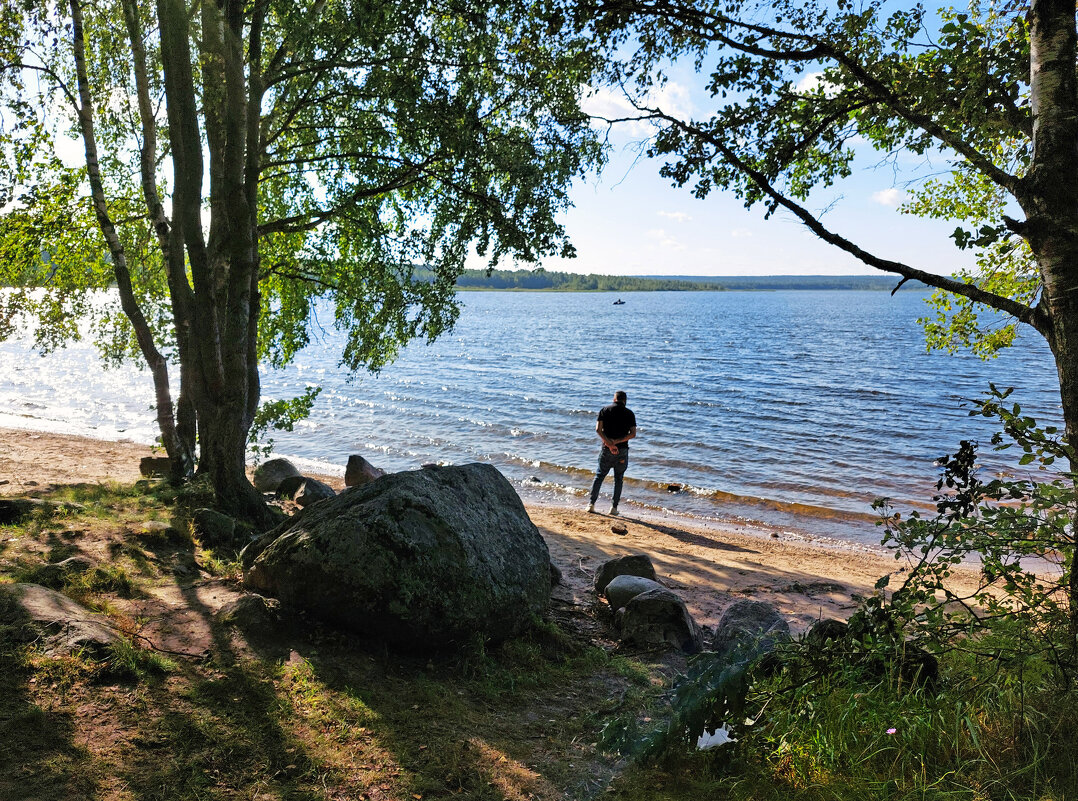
x=630, y=221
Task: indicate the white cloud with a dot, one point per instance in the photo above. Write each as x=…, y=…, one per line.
x=607, y=103
x=889, y=197
x=664, y=240
x=740, y=233
x=813, y=81
x=678, y=216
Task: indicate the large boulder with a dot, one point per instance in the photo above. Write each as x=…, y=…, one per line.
x=747, y=628
x=658, y=618
x=634, y=564
x=423, y=559
x=359, y=471
x=623, y=589
x=269, y=475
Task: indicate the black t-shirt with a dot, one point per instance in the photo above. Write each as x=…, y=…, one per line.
x=617, y=420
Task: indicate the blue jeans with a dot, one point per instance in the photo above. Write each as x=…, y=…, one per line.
x=608, y=460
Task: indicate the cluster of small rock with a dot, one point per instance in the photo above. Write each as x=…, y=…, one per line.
x=281, y=478
x=647, y=614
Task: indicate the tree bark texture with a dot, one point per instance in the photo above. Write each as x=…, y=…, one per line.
x=220, y=310
x=179, y=454
x=1049, y=197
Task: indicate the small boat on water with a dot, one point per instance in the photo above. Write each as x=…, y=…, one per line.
x=619, y=302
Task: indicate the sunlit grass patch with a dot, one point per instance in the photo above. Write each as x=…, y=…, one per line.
x=220, y=567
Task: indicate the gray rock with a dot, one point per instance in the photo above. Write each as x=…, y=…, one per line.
x=251, y=613
x=636, y=564
x=827, y=629
x=658, y=618
x=55, y=575
x=313, y=490
x=289, y=487
x=749, y=627
x=76, y=564
x=359, y=471
x=66, y=626
x=155, y=466
x=216, y=530
x=623, y=589
x=269, y=475
x=424, y=559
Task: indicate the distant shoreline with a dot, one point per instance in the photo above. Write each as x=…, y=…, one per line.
x=540, y=280
x=700, y=289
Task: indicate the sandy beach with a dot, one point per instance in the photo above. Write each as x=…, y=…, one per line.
x=708, y=566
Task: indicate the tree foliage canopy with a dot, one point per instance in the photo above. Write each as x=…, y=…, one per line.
x=390, y=135
x=798, y=86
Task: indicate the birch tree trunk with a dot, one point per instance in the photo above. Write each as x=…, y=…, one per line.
x=180, y=452
x=1049, y=196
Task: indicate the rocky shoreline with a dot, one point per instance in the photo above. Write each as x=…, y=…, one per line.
x=709, y=567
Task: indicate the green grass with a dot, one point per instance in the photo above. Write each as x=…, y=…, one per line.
x=313, y=714
x=989, y=733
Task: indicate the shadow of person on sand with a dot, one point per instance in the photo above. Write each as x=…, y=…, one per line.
x=687, y=537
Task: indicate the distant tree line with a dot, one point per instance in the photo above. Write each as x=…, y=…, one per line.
x=778, y=282
x=543, y=279
x=572, y=282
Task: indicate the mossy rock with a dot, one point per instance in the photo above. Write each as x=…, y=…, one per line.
x=423, y=559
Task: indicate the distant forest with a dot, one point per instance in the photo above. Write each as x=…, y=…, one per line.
x=573, y=282
x=539, y=279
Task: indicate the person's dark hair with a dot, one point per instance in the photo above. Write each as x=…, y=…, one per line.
x=620, y=396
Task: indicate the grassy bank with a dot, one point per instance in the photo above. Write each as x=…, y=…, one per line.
x=297, y=713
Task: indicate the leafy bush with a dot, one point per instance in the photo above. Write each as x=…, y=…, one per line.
x=279, y=415
x=1021, y=532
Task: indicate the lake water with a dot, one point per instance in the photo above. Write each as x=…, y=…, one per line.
x=792, y=409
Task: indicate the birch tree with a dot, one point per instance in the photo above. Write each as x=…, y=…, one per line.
x=245, y=160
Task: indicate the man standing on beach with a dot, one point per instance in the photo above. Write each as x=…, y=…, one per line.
x=615, y=427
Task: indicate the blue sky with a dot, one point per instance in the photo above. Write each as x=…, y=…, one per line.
x=630, y=221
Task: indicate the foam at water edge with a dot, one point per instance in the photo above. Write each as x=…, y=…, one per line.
x=136, y=434
x=313, y=466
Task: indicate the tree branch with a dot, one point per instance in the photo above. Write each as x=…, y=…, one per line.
x=707, y=27
x=1032, y=316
